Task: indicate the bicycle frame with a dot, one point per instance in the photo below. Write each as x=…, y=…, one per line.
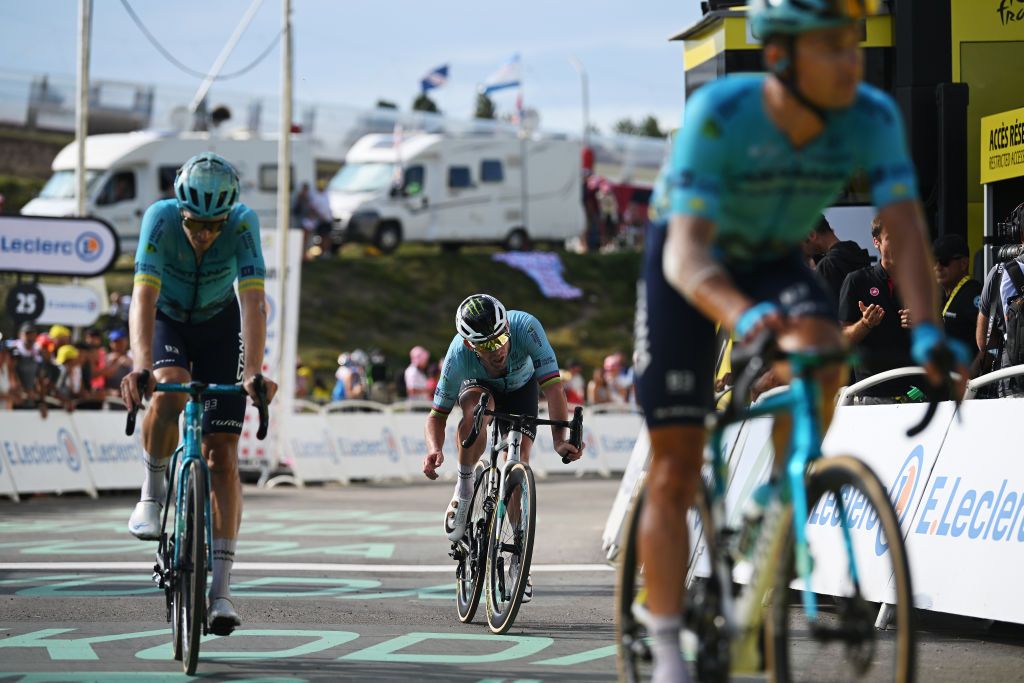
x=512, y=443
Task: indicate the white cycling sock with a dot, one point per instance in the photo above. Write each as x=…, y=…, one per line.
x=154, y=486
x=464, y=489
x=223, y=560
x=668, y=657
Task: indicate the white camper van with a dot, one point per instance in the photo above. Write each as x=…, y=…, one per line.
x=126, y=172
x=455, y=190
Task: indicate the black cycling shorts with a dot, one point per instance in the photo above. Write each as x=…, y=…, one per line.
x=522, y=401
x=211, y=351
x=675, y=344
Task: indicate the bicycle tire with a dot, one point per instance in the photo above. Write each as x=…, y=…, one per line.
x=192, y=585
x=703, y=606
x=468, y=589
x=830, y=475
x=503, y=603
x=171, y=589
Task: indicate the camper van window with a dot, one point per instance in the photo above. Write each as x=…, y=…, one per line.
x=166, y=176
x=459, y=178
x=491, y=171
x=268, y=178
x=363, y=177
x=61, y=184
x=412, y=181
x=120, y=188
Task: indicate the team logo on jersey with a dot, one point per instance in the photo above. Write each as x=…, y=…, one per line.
x=873, y=291
x=711, y=129
x=150, y=248
x=977, y=302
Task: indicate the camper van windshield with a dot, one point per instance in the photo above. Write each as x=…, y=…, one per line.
x=61, y=184
x=366, y=177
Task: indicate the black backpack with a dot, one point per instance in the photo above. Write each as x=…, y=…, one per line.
x=1014, y=316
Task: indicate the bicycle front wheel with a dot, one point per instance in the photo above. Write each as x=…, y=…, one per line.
x=470, y=573
x=849, y=511
x=192, y=579
x=511, y=547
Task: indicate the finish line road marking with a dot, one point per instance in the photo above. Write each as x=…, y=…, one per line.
x=289, y=567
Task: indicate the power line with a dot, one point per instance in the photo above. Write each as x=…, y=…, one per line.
x=188, y=70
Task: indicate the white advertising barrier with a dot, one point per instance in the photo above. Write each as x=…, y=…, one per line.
x=114, y=458
x=628, y=487
x=43, y=455
x=6, y=483
x=310, y=449
x=876, y=435
x=966, y=537
x=69, y=305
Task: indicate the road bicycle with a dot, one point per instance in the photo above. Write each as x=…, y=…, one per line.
x=497, y=548
x=184, y=551
x=780, y=549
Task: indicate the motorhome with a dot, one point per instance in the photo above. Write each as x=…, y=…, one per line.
x=457, y=189
x=126, y=172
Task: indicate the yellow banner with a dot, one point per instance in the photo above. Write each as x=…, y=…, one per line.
x=1002, y=146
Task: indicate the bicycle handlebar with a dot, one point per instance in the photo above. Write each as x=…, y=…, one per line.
x=198, y=388
x=575, y=426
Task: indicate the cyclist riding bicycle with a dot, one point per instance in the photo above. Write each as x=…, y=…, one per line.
x=506, y=354
x=185, y=324
x=757, y=159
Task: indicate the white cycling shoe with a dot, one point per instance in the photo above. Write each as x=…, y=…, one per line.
x=144, y=523
x=456, y=517
x=528, y=588
x=223, y=618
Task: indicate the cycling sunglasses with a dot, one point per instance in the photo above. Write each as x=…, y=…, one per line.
x=198, y=224
x=493, y=344
x=855, y=9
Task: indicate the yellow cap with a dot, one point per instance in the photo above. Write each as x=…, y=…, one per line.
x=66, y=353
x=59, y=331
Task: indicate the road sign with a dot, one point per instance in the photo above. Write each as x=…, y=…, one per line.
x=25, y=302
x=69, y=305
x=56, y=246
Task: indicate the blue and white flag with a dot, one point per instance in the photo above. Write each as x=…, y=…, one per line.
x=435, y=79
x=508, y=76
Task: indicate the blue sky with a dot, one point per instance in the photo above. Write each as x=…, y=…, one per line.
x=353, y=52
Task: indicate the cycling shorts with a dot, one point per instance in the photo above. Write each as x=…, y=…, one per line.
x=675, y=343
x=521, y=401
x=211, y=351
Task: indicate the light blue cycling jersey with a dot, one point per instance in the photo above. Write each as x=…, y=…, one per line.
x=732, y=165
x=190, y=291
x=529, y=356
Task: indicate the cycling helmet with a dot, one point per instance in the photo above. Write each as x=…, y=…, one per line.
x=790, y=17
x=207, y=186
x=480, y=317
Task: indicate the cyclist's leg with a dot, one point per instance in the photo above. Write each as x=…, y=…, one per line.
x=457, y=512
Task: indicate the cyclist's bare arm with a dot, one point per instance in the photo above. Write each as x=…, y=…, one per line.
x=141, y=320
x=254, y=337
x=694, y=273
x=915, y=276
x=433, y=431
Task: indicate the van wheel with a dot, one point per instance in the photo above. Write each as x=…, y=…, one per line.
x=388, y=237
x=450, y=247
x=517, y=240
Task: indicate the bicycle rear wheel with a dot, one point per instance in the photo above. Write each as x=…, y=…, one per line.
x=844, y=644
x=192, y=579
x=165, y=560
x=511, y=547
x=470, y=573
x=703, y=599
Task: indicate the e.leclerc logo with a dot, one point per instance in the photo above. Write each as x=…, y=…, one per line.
x=88, y=246
x=67, y=442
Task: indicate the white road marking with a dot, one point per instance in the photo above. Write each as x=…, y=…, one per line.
x=290, y=567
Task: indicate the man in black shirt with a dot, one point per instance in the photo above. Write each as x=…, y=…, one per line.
x=837, y=259
x=874, y=320
x=960, y=293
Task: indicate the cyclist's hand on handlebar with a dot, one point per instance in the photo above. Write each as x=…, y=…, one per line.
x=250, y=387
x=130, y=388
x=431, y=463
x=765, y=315
x=940, y=355
x=568, y=452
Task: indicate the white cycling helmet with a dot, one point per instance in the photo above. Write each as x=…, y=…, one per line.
x=480, y=318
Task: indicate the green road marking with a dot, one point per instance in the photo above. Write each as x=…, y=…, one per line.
x=38, y=579
x=378, y=551
x=333, y=587
x=322, y=640
x=442, y=592
x=588, y=656
x=131, y=677
x=332, y=529
x=404, y=517
x=73, y=648
x=521, y=646
x=92, y=547
x=48, y=527
x=60, y=589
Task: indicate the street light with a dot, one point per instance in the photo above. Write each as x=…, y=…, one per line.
x=578, y=65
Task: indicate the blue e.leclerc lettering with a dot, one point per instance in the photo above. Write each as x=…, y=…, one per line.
x=36, y=245
x=979, y=514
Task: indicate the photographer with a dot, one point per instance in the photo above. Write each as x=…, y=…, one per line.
x=1000, y=329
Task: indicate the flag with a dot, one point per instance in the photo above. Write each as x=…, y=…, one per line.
x=508, y=76
x=435, y=79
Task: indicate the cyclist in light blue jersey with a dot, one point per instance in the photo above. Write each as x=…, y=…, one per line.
x=756, y=160
x=185, y=324
x=506, y=354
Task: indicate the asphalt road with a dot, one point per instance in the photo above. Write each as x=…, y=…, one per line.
x=355, y=583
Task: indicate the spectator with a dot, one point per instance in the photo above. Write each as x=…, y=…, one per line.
x=597, y=389
x=119, y=361
x=9, y=386
x=433, y=377
x=27, y=365
x=60, y=335
x=68, y=386
x=119, y=306
x=618, y=378
x=303, y=379
x=377, y=377
x=321, y=394
x=997, y=296
x=348, y=384
x=320, y=205
x=575, y=385
x=960, y=292
x=97, y=360
x=416, y=378
x=302, y=218
x=874, y=320
x=837, y=258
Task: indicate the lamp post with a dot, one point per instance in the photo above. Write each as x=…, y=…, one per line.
x=578, y=65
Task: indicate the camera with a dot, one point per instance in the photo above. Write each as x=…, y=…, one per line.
x=1006, y=243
